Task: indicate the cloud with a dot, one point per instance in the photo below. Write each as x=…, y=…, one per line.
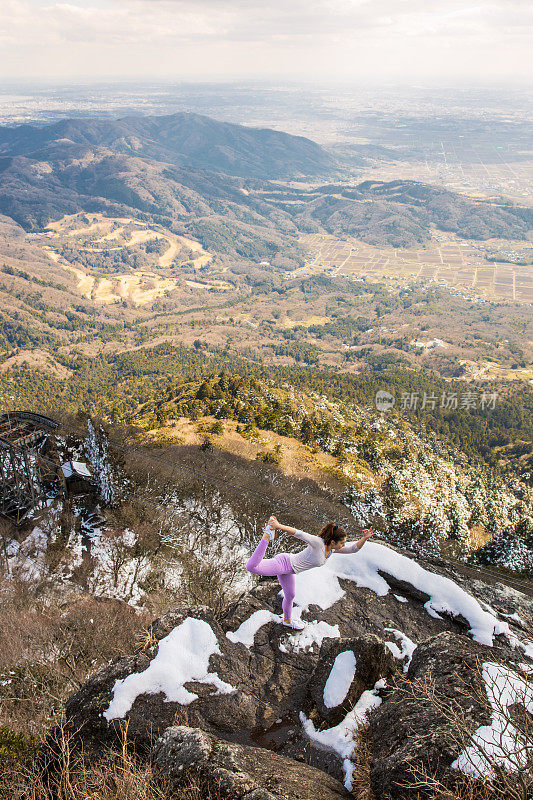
x=41, y=33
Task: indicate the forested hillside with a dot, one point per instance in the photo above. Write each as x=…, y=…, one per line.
x=183, y=139
x=216, y=181
x=140, y=387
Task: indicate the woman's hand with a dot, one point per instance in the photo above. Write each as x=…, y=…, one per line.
x=368, y=532
x=273, y=523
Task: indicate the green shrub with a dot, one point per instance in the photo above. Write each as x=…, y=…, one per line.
x=15, y=748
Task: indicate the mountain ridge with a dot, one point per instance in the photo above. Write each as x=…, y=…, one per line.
x=183, y=139
x=227, y=185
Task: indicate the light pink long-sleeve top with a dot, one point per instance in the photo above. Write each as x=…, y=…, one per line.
x=314, y=554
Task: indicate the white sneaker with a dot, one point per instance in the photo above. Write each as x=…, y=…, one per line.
x=295, y=624
x=271, y=532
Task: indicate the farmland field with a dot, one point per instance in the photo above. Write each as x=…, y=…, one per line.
x=448, y=261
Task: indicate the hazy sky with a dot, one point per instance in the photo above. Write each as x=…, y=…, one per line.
x=348, y=40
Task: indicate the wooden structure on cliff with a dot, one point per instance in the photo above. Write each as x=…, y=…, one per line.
x=28, y=469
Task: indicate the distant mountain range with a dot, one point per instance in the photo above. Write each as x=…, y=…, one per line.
x=215, y=181
x=187, y=140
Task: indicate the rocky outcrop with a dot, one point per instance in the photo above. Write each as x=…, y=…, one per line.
x=238, y=726
x=373, y=661
x=414, y=727
x=237, y=772
x=151, y=714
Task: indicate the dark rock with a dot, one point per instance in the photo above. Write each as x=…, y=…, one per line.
x=237, y=772
x=373, y=661
x=274, y=681
x=410, y=732
x=404, y=587
x=84, y=709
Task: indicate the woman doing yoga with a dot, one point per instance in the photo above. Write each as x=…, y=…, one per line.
x=332, y=539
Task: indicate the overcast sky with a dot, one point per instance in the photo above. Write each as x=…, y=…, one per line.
x=347, y=40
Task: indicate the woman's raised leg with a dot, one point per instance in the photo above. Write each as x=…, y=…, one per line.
x=257, y=556
x=268, y=567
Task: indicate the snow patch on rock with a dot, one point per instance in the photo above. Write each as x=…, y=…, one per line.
x=500, y=744
x=321, y=587
x=314, y=634
x=182, y=656
x=245, y=633
x=406, y=647
x=340, y=679
x=340, y=739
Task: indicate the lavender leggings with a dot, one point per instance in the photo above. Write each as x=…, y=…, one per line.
x=280, y=566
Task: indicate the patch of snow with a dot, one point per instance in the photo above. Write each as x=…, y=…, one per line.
x=400, y=598
x=431, y=611
x=407, y=647
x=97, y=451
x=321, y=587
x=514, y=616
x=182, y=656
x=12, y=548
x=27, y=561
x=488, y=608
x=245, y=633
x=314, y=633
x=499, y=744
x=340, y=679
x=527, y=647
x=318, y=587
x=119, y=570
x=75, y=468
x=340, y=739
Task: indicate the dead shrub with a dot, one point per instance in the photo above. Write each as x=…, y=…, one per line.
x=49, y=649
x=503, y=770
x=117, y=775
x=361, y=759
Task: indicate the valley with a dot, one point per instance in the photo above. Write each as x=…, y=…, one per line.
x=90, y=283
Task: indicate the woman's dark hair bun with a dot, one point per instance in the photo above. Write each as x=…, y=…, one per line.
x=331, y=532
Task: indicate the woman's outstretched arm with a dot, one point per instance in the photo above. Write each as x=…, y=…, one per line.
x=279, y=527
x=352, y=548
x=308, y=538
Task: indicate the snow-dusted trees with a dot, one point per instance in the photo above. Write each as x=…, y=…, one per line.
x=428, y=500
x=97, y=451
x=458, y=513
x=507, y=549
x=476, y=495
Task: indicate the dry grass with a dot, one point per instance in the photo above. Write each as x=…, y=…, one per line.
x=117, y=775
x=298, y=460
x=49, y=648
x=361, y=758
